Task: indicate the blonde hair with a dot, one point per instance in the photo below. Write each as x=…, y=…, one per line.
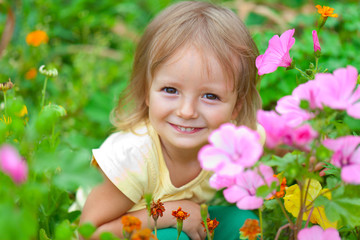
x=209, y=28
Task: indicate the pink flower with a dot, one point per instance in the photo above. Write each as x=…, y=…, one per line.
x=317, y=233
x=310, y=92
x=243, y=192
x=277, y=54
x=316, y=41
x=284, y=129
x=346, y=156
x=12, y=164
x=231, y=149
x=274, y=125
x=337, y=92
x=219, y=182
x=289, y=108
x=303, y=135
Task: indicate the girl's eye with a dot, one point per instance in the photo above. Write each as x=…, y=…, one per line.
x=170, y=90
x=211, y=96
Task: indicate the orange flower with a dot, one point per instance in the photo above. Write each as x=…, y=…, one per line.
x=281, y=192
x=180, y=214
x=212, y=224
x=326, y=11
x=250, y=229
x=36, y=38
x=143, y=234
x=157, y=209
x=31, y=74
x=130, y=223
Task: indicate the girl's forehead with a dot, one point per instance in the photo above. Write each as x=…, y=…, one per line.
x=202, y=61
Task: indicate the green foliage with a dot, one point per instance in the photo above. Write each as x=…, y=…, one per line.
x=92, y=43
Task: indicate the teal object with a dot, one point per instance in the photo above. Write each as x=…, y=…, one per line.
x=230, y=220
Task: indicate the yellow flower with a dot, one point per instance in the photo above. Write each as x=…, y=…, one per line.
x=22, y=112
x=6, y=120
x=292, y=203
x=31, y=74
x=326, y=11
x=36, y=38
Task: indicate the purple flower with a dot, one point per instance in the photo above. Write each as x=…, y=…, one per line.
x=317, y=233
x=346, y=156
x=243, y=192
x=231, y=149
x=316, y=41
x=12, y=164
x=277, y=53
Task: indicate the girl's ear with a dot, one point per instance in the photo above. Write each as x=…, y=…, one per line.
x=236, y=110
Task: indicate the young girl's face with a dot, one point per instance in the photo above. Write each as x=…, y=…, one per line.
x=190, y=98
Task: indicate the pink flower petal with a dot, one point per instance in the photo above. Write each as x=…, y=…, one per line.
x=331, y=234
x=224, y=137
x=289, y=108
x=219, y=182
x=313, y=233
x=212, y=158
x=12, y=164
x=350, y=174
x=234, y=193
x=250, y=203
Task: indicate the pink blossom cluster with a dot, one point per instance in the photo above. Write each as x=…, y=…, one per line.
x=231, y=154
x=12, y=164
x=287, y=128
x=317, y=233
x=337, y=91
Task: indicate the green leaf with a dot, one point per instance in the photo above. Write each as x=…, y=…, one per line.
x=87, y=230
x=42, y=235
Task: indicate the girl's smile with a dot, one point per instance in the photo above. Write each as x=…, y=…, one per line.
x=186, y=130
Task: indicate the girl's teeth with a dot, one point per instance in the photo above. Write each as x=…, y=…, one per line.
x=186, y=129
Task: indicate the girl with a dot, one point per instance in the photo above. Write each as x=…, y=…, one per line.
x=194, y=69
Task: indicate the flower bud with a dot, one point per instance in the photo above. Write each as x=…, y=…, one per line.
x=6, y=86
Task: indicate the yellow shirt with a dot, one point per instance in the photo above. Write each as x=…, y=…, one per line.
x=134, y=162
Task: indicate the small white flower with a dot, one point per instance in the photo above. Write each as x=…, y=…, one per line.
x=49, y=73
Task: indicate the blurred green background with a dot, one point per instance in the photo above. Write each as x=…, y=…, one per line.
x=92, y=43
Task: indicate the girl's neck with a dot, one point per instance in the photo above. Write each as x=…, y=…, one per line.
x=182, y=165
x=180, y=156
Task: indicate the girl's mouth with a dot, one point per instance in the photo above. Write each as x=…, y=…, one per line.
x=184, y=129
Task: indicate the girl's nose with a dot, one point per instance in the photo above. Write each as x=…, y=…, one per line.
x=187, y=109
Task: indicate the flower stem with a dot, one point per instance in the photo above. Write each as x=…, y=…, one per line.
x=280, y=229
x=5, y=101
x=302, y=73
x=261, y=223
x=43, y=93
x=316, y=64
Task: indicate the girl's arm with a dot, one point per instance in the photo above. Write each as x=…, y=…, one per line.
x=105, y=204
